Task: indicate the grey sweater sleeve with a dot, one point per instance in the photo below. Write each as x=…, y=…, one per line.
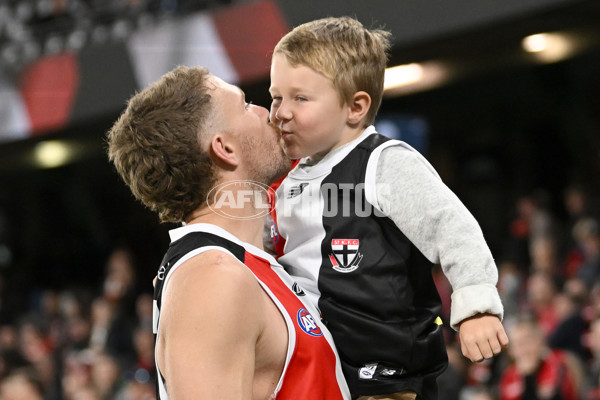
x=411, y=193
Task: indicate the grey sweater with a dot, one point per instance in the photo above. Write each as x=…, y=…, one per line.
x=440, y=226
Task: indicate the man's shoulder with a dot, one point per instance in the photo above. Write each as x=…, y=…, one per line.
x=215, y=274
x=218, y=266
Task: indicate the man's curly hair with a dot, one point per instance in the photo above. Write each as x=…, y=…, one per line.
x=155, y=144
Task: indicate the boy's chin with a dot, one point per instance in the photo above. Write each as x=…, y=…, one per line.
x=291, y=152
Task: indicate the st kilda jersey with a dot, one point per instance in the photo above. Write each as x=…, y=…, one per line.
x=373, y=287
x=312, y=369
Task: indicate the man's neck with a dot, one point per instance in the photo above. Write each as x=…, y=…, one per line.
x=248, y=230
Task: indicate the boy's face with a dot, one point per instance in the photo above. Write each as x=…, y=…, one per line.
x=307, y=108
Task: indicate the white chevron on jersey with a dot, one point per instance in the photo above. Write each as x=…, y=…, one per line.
x=304, y=218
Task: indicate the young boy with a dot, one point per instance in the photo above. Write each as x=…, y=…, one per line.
x=361, y=219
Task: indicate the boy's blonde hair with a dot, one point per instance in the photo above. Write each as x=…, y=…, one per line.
x=343, y=50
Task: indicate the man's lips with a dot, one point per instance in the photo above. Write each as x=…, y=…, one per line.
x=275, y=127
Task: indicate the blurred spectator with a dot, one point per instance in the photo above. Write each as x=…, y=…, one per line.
x=22, y=384
x=101, y=318
x=119, y=281
x=544, y=258
x=76, y=377
x=10, y=358
x=35, y=345
x=74, y=309
x=120, y=294
x=533, y=220
x=592, y=377
x=477, y=393
x=144, y=309
x=587, y=235
x=87, y=393
x=569, y=333
x=511, y=289
x=541, y=290
x=106, y=375
x=144, y=346
x=137, y=391
x=577, y=205
x=537, y=372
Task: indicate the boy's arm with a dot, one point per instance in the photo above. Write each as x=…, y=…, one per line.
x=410, y=192
x=209, y=324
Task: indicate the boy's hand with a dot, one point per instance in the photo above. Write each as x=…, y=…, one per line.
x=482, y=337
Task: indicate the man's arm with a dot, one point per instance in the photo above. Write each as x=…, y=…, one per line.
x=211, y=318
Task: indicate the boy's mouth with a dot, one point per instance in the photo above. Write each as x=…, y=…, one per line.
x=285, y=133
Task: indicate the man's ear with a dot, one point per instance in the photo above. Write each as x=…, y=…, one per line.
x=358, y=107
x=224, y=151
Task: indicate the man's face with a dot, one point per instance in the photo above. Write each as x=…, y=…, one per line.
x=259, y=141
x=307, y=108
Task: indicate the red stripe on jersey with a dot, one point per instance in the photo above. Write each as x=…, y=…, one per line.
x=313, y=360
x=280, y=243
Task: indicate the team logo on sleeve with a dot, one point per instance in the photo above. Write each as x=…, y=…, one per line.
x=274, y=232
x=307, y=323
x=297, y=190
x=161, y=272
x=344, y=255
x=298, y=290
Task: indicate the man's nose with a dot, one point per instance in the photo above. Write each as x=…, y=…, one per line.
x=260, y=110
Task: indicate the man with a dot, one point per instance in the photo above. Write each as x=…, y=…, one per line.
x=227, y=321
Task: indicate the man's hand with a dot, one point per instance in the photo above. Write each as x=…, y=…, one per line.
x=482, y=337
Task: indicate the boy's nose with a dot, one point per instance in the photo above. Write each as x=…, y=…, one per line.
x=281, y=113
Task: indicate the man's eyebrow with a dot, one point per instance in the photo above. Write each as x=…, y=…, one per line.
x=243, y=95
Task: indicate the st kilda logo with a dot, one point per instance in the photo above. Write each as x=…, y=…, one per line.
x=344, y=254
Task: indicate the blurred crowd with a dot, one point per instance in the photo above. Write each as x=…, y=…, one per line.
x=82, y=344
x=97, y=343
x=549, y=282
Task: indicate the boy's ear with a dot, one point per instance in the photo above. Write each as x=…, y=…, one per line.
x=223, y=151
x=359, y=107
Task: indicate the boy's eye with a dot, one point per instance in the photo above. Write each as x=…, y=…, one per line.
x=301, y=98
x=248, y=104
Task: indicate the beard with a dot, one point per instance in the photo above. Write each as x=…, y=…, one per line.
x=266, y=159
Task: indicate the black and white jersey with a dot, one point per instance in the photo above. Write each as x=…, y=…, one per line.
x=373, y=287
